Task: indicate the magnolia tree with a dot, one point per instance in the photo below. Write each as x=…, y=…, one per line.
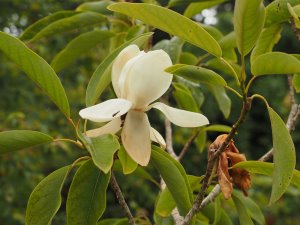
x=116, y=134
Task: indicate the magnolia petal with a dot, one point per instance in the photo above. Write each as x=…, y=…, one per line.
x=111, y=127
x=136, y=137
x=156, y=137
x=181, y=117
x=107, y=110
x=146, y=80
x=124, y=56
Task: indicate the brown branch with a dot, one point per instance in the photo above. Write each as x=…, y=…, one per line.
x=213, y=159
x=114, y=185
x=169, y=141
x=188, y=145
x=294, y=29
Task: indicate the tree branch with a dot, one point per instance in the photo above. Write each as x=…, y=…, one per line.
x=169, y=141
x=114, y=185
x=188, y=145
x=213, y=159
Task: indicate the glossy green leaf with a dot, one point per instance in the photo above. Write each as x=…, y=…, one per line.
x=169, y=21
x=197, y=74
x=14, y=140
x=284, y=156
x=225, y=219
x=78, y=47
x=228, y=41
x=159, y=220
x=277, y=11
x=128, y=164
x=243, y=214
x=275, y=63
x=33, y=29
x=249, y=18
x=172, y=47
x=213, y=31
x=222, y=98
x=135, y=31
x=121, y=221
x=36, y=69
x=294, y=15
x=174, y=176
x=101, y=77
x=173, y=3
x=197, y=7
x=188, y=58
x=184, y=98
x=87, y=195
x=252, y=208
x=76, y=21
x=218, y=128
x=102, y=150
x=220, y=65
x=201, y=141
x=266, y=41
x=97, y=6
x=218, y=210
x=266, y=168
x=45, y=200
x=296, y=82
x=165, y=203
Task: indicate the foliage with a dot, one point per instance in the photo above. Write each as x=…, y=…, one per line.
x=218, y=70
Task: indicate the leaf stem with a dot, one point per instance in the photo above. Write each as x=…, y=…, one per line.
x=115, y=186
x=78, y=143
x=234, y=91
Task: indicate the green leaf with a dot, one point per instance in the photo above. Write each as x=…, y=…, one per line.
x=252, y=208
x=173, y=3
x=200, y=141
x=218, y=210
x=102, y=150
x=165, y=203
x=45, y=199
x=225, y=219
x=249, y=18
x=218, y=128
x=197, y=7
x=284, y=156
x=128, y=164
x=275, y=63
x=197, y=74
x=277, y=11
x=121, y=221
x=138, y=172
x=188, y=58
x=98, y=7
x=19, y=139
x=266, y=41
x=266, y=168
x=33, y=29
x=76, y=21
x=222, y=98
x=78, y=47
x=174, y=176
x=169, y=21
x=296, y=82
x=184, y=98
x=101, y=77
x=243, y=214
x=172, y=47
x=135, y=31
x=228, y=41
x=87, y=195
x=36, y=69
x=220, y=65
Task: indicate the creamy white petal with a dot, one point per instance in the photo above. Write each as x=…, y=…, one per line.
x=125, y=73
x=125, y=55
x=111, y=127
x=136, y=137
x=107, y=110
x=156, y=137
x=146, y=80
x=180, y=117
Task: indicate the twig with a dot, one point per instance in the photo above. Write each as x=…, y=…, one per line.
x=294, y=29
x=114, y=185
x=213, y=160
x=188, y=145
x=169, y=141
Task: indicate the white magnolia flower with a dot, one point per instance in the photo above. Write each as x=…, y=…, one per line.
x=138, y=79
